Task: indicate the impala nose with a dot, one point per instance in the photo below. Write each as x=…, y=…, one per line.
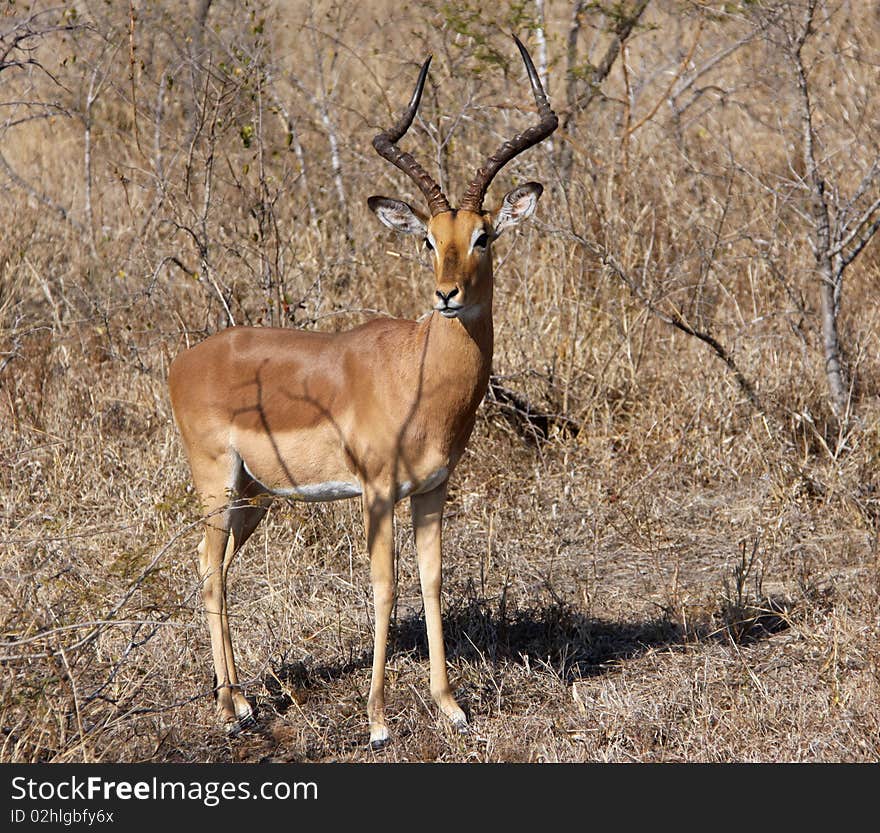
x=445, y=305
x=446, y=296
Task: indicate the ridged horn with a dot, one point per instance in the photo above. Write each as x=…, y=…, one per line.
x=386, y=146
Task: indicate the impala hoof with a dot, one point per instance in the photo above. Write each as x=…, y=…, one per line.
x=241, y=724
x=456, y=716
x=379, y=739
x=242, y=721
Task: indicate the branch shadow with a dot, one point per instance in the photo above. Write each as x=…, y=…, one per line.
x=286, y=681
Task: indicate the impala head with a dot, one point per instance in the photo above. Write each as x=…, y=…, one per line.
x=460, y=240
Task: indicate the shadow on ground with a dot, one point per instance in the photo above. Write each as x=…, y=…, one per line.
x=573, y=645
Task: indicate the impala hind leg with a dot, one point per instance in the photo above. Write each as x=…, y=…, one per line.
x=379, y=521
x=232, y=519
x=427, y=516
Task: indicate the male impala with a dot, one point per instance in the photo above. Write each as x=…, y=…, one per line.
x=381, y=412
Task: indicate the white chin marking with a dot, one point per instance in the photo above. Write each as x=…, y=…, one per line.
x=465, y=314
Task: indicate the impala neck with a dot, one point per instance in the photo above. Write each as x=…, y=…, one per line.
x=470, y=331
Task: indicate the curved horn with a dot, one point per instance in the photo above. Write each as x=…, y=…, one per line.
x=476, y=192
x=386, y=146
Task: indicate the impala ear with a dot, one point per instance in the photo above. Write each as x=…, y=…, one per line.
x=398, y=215
x=517, y=205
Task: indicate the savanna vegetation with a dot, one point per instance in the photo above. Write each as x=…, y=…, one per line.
x=662, y=543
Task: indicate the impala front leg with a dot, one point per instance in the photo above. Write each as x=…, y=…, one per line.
x=378, y=520
x=215, y=555
x=427, y=514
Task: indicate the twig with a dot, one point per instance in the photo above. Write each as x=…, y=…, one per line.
x=675, y=320
x=100, y=625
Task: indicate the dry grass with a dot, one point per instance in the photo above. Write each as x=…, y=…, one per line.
x=683, y=578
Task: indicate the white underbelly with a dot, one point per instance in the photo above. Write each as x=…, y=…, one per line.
x=343, y=489
x=320, y=492
x=432, y=481
x=310, y=492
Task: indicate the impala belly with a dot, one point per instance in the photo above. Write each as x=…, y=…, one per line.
x=311, y=492
x=305, y=464
x=306, y=459
x=432, y=481
x=343, y=489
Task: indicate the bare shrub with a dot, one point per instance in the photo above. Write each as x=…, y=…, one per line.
x=157, y=186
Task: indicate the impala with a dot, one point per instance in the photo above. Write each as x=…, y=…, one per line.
x=381, y=412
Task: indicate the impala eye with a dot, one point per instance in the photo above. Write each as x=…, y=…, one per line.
x=428, y=245
x=482, y=241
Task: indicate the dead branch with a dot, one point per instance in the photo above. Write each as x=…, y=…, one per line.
x=674, y=319
x=530, y=422
x=583, y=85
